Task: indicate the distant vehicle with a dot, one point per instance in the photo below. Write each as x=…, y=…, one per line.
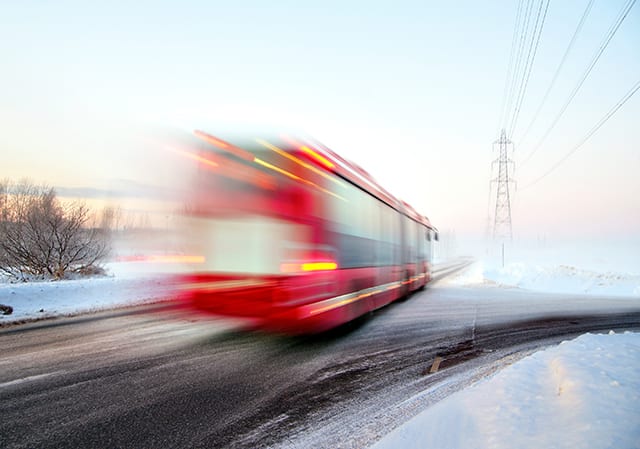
x=294, y=235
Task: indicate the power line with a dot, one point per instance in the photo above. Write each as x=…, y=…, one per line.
x=593, y=130
x=516, y=74
x=612, y=31
x=529, y=64
x=507, y=81
x=560, y=66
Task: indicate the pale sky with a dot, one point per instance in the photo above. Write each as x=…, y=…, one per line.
x=410, y=90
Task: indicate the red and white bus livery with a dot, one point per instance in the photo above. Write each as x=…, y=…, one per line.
x=296, y=236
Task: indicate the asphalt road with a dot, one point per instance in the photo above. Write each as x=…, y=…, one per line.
x=159, y=377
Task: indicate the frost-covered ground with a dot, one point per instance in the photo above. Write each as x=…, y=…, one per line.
x=584, y=393
x=584, y=268
x=139, y=272
x=126, y=284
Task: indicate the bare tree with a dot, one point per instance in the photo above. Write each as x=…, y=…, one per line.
x=41, y=236
x=110, y=218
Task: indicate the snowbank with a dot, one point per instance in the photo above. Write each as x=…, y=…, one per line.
x=583, y=393
x=128, y=283
x=550, y=278
x=587, y=270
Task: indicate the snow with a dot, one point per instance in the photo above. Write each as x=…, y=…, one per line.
x=582, y=393
x=579, y=270
x=551, y=278
x=126, y=284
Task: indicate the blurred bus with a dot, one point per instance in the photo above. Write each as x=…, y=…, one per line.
x=295, y=236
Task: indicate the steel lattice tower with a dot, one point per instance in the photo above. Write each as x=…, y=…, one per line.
x=502, y=217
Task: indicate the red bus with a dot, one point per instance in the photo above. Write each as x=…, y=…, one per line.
x=296, y=236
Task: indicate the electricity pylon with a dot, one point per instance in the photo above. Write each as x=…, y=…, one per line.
x=502, y=217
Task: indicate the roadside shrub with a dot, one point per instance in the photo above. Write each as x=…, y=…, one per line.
x=44, y=238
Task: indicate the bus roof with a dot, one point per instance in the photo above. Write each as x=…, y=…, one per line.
x=332, y=161
x=360, y=177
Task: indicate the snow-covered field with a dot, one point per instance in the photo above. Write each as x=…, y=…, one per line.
x=584, y=393
x=574, y=269
x=127, y=284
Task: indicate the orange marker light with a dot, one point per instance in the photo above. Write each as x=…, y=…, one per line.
x=318, y=266
x=308, y=266
x=318, y=157
x=243, y=154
